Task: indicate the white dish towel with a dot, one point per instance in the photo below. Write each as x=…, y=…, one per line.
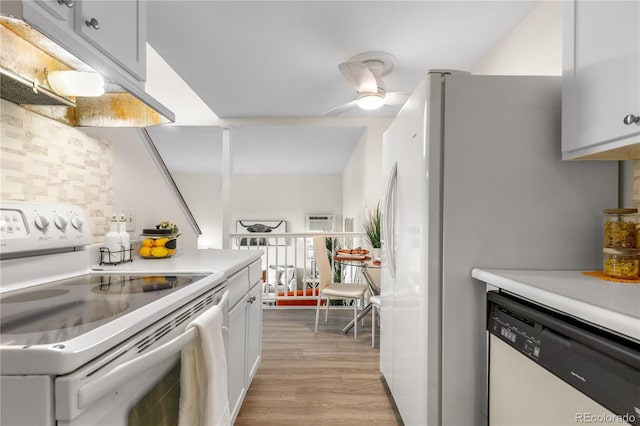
x=204, y=397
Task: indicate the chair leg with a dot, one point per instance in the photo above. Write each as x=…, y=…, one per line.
x=326, y=310
x=355, y=320
x=373, y=326
x=317, y=312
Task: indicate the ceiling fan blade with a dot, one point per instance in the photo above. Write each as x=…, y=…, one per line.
x=360, y=76
x=340, y=109
x=396, y=98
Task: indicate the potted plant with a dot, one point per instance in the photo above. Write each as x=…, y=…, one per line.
x=165, y=224
x=372, y=230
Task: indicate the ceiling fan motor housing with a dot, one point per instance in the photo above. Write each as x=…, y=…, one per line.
x=364, y=72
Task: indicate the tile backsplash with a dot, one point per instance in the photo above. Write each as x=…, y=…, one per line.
x=42, y=160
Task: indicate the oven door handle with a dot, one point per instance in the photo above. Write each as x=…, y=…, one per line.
x=93, y=390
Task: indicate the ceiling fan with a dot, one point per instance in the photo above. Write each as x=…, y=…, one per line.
x=364, y=72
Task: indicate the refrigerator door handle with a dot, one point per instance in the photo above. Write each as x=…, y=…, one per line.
x=388, y=228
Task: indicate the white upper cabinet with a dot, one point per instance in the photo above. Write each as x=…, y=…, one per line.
x=110, y=36
x=601, y=80
x=118, y=29
x=60, y=11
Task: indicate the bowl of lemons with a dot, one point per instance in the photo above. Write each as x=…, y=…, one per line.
x=157, y=243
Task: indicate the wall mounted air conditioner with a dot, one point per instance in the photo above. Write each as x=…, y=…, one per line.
x=320, y=222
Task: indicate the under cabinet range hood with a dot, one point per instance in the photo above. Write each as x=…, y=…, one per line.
x=26, y=58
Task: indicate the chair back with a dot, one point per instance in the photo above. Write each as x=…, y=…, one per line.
x=321, y=257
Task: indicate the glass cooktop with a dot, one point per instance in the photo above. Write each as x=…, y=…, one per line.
x=65, y=309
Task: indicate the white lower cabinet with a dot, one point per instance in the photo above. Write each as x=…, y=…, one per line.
x=245, y=335
x=236, y=367
x=254, y=331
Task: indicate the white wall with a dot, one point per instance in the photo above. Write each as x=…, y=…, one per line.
x=203, y=194
x=363, y=183
x=138, y=185
x=534, y=47
x=258, y=197
x=285, y=197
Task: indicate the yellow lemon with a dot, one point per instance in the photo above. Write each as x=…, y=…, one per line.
x=171, y=251
x=159, y=252
x=147, y=242
x=145, y=251
x=160, y=242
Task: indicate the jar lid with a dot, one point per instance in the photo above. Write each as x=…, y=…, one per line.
x=620, y=211
x=157, y=232
x=623, y=252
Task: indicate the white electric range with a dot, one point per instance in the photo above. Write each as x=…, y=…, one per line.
x=81, y=346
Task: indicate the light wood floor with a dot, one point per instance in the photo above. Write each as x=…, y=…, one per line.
x=328, y=378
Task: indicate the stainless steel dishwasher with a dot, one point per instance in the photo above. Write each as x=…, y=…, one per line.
x=547, y=368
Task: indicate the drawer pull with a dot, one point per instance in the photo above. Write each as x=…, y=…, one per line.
x=68, y=3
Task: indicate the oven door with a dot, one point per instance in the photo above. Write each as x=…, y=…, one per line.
x=137, y=383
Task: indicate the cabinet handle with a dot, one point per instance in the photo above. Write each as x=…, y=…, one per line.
x=68, y=3
x=93, y=23
x=630, y=119
x=252, y=299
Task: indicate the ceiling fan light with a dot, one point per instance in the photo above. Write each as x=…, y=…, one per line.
x=370, y=101
x=76, y=83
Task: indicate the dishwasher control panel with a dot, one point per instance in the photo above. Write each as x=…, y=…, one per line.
x=517, y=331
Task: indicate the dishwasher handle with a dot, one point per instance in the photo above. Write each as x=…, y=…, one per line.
x=93, y=390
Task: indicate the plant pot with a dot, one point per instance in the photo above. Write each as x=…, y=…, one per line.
x=376, y=253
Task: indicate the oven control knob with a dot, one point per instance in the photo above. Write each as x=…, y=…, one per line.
x=41, y=222
x=60, y=222
x=76, y=222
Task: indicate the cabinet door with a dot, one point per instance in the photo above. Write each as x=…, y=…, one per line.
x=254, y=332
x=236, y=364
x=117, y=29
x=601, y=76
x=50, y=17
x=59, y=11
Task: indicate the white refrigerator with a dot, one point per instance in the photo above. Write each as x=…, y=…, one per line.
x=475, y=180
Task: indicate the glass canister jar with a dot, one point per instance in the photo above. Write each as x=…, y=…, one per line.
x=621, y=263
x=157, y=244
x=620, y=228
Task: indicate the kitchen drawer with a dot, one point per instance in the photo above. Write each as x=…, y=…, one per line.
x=255, y=273
x=238, y=285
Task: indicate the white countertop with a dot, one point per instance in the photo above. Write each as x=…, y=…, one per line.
x=203, y=260
x=612, y=305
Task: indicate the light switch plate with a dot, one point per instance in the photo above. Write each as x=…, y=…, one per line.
x=130, y=215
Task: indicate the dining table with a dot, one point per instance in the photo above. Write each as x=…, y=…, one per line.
x=365, y=264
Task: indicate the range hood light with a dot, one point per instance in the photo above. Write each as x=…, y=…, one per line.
x=76, y=83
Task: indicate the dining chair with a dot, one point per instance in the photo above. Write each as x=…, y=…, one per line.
x=329, y=289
